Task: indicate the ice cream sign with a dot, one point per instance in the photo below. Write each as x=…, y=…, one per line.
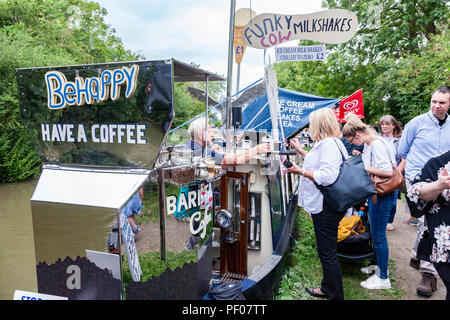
x=330, y=26
x=63, y=93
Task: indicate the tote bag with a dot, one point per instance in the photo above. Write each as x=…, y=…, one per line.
x=352, y=186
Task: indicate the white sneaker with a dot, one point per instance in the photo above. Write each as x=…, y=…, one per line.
x=375, y=282
x=371, y=270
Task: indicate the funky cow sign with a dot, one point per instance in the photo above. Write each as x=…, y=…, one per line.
x=330, y=26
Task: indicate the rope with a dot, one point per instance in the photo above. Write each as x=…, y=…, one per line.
x=227, y=291
x=254, y=118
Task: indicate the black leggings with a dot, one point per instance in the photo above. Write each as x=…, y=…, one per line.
x=443, y=270
x=326, y=229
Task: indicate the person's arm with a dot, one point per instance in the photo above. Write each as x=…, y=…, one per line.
x=402, y=165
x=298, y=146
x=406, y=140
x=296, y=169
x=329, y=165
x=329, y=162
x=244, y=156
x=431, y=190
x=379, y=172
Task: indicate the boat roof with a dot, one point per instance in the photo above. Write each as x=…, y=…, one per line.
x=183, y=72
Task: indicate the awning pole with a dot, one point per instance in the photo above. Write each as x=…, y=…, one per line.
x=205, y=150
x=238, y=76
x=162, y=213
x=230, y=69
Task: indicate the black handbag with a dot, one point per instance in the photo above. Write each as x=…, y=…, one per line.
x=352, y=186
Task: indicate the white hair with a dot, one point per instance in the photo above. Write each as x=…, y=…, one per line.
x=197, y=126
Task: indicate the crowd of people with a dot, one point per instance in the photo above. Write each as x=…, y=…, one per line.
x=421, y=152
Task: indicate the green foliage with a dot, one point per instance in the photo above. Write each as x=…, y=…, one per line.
x=399, y=55
x=304, y=267
x=37, y=33
x=186, y=107
x=152, y=265
x=392, y=27
x=406, y=84
x=16, y=162
x=305, y=270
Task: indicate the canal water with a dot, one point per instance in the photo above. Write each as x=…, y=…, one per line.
x=17, y=255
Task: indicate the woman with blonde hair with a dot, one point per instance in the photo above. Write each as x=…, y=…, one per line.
x=378, y=158
x=321, y=165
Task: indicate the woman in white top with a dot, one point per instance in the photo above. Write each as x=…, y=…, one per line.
x=321, y=165
x=378, y=158
x=391, y=131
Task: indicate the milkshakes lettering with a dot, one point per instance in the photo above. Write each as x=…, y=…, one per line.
x=330, y=26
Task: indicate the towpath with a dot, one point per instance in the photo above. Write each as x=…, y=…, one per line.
x=400, y=241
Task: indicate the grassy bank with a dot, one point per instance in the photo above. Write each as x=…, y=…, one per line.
x=304, y=270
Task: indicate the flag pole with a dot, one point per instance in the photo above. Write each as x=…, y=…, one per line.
x=230, y=65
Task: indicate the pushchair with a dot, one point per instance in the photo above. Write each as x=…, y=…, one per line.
x=358, y=246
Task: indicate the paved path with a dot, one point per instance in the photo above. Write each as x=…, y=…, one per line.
x=400, y=242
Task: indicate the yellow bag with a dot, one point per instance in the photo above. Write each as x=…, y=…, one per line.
x=349, y=226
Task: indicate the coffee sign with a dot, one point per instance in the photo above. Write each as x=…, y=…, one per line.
x=330, y=26
x=115, y=114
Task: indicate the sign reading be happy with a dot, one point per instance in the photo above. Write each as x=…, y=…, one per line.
x=63, y=93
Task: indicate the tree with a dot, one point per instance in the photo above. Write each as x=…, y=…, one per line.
x=392, y=28
x=405, y=87
x=398, y=56
x=41, y=33
x=36, y=33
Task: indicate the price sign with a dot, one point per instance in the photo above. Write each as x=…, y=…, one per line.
x=301, y=53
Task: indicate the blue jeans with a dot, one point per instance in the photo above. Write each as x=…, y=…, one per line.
x=378, y=216
x=394, y=207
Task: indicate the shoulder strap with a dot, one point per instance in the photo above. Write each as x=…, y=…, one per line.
x=371, y=151
x=342, y=154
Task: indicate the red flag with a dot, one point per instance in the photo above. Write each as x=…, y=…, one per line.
x=336, y=112
x=351, y=104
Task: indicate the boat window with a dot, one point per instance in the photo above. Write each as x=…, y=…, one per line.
x=276, y=205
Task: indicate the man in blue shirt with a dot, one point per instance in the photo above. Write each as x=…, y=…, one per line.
x=201, y=139
x=424, y=137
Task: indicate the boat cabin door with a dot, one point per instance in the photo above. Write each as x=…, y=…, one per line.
x=233, y=244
